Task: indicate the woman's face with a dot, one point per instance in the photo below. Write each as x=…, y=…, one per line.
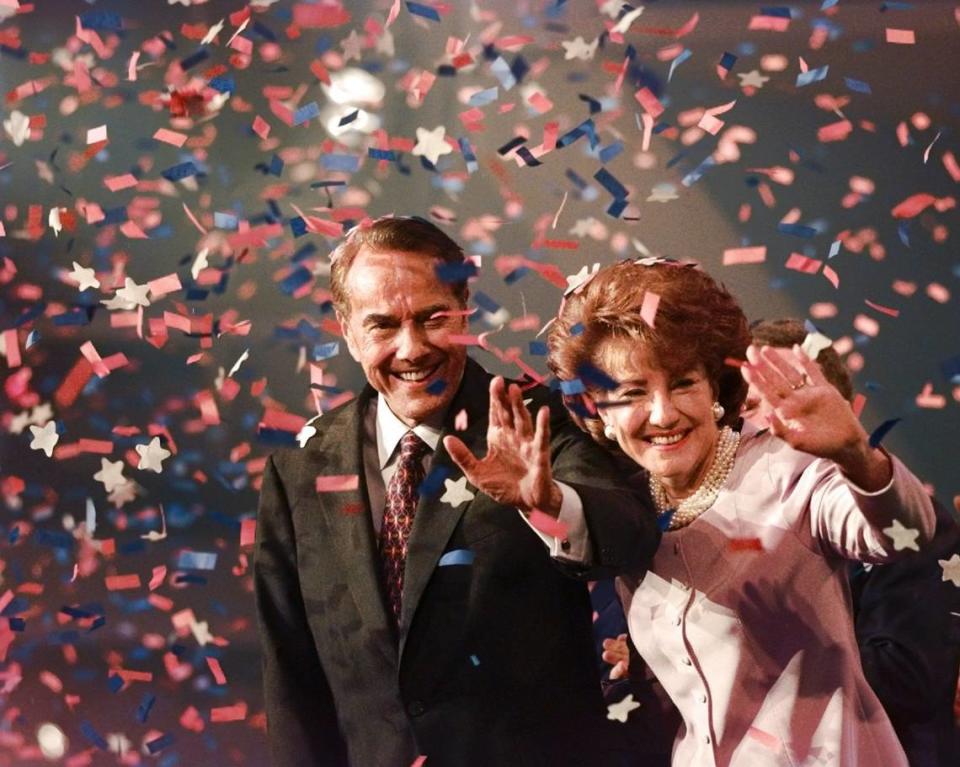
x=663, y=421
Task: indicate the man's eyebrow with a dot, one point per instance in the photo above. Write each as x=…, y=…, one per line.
x=379, y=319
x=436, y=310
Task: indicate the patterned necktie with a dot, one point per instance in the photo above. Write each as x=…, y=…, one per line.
x=402, y=497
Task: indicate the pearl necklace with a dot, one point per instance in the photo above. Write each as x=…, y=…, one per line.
x=691, y=507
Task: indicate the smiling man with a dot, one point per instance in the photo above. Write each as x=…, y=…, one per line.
x=419, y=613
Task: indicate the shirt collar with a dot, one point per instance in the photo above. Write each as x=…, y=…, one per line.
x=390, y=431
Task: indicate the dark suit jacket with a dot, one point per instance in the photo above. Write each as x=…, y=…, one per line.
x=494, y=660
x=908, y=630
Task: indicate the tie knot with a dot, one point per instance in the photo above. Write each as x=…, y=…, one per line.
x=412, y=448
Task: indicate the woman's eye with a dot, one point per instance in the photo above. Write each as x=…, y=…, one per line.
x=683, y=383
x=633, y=394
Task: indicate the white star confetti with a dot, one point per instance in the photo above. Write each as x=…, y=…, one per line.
x=152, y=455
x=578, y=48
x=110, y=474
x=134, y=294
x=618, y=712
x=17, y=127
x=951, y=569
x=45, y=437
x=456, y=492
x=432, y=143
x=902, y=537
x=752, y=79
x=85, y=277
x=212, y=33
x=815, y=343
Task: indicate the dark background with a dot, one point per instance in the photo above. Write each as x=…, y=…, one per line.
x=67, y=636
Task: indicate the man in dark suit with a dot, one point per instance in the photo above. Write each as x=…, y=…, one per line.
x=415, y=610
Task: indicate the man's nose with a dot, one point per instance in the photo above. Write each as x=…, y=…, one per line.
x=412, y=342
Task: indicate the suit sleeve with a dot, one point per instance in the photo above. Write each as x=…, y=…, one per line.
x=301, y=715
x=620, y=522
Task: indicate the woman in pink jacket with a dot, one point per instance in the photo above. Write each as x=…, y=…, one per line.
x=744, y=616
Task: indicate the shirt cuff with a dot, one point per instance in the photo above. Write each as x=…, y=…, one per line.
x=575, y=546
x=872, y=493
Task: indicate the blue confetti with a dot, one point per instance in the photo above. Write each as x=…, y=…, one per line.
x=382, y=154
x=326, y=351
x=684, y=55
x=101, y=20
x=697, y=173
x=881, y=431
x=727, y=61
x=607, y=180
x=296, y=280
x=486, y=303
x=306, y=112
x=456, y=272
x=596, y=377
x=191, y=61
x=538, y=348
x=343, y=162
x=158, y=744
x=224, y=84
x=469, y=157
x=225, y=220
x=501, y=70
x=433, y=482
x=143, y=710
x=437, y=386
x=812, y=75
x=834, y=248
x=197, y=560
x=573, y=386
x=418, y=9
x=797, y=230
x=951, y=369
x=180, y=171
x=484, y=97
x=93, y=736
x=857, y=85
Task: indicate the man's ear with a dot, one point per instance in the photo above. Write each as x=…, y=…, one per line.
x=347, y=335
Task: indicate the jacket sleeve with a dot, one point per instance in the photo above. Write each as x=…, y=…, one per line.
x=852, y=522
x=301, y=714
x=620, y=521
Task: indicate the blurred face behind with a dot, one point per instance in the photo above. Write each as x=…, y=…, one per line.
x=398, y=332
x=662, y=420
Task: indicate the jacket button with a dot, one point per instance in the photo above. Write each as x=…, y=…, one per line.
x=416, y=708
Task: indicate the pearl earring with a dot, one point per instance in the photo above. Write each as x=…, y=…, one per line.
x=610, y=433
x=717, y=411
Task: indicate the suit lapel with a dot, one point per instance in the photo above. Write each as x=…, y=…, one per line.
x=435, y=520
x=338, y=451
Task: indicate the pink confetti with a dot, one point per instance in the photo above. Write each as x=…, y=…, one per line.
x=338, y=483
x=116, y=183
x=261, y=127
x=548, y=525
x=751, y=255
x=170, y=137
x=12, y=346
x=802, y=263
x=928, y=399
x=866, y=325
x=938, y=292
x=214, y=665
x=913, y=205
x=837, y=131
x=649, y=102
x=901, y=36
x=648, y=310
x=122, y=582
x=859, y=403
x=248, y=532
x=831, y=275
x=234, y=713
x=156, y=579
x=880, y=308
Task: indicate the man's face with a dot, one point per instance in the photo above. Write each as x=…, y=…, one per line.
x=398, y=331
